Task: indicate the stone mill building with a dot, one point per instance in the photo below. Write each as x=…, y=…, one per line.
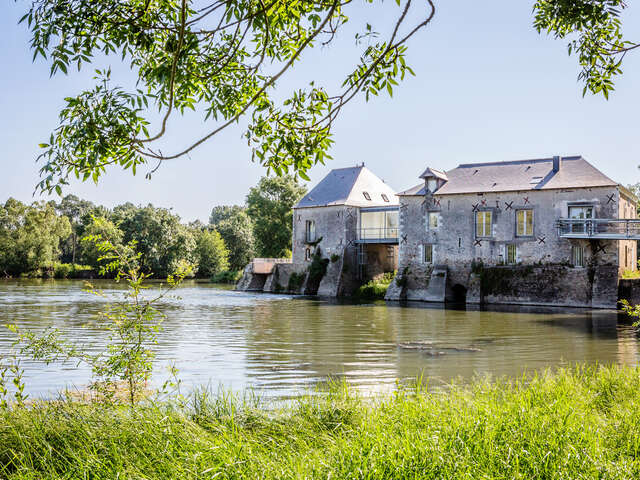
x=551, y=231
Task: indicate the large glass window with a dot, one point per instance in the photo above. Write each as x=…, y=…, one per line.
x=580, y=212
x=310, y=230
x=524, y=223
x=483, y=223
x=378, y=224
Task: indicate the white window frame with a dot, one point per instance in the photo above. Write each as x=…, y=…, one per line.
x=527, y=212
x=577, y=256
x=478, y=224
x=581, y=228
x=435, y=215
x=309, y=229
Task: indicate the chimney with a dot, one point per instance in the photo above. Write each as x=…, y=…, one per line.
x=557, y=163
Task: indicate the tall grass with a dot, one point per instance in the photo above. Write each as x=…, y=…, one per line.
x=572, y=424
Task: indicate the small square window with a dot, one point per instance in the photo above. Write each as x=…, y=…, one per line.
x=366, y=195
x=433, y=220
x=511, y=254
x=385, y=198
x=427, y=253
x=577, y=255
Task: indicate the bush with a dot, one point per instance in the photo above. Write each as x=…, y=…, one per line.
x=295, y=281
x=65, y=270
x=335, y=257
x=227, y=276
x=376, y=289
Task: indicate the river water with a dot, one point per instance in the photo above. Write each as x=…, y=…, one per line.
x=282, y=345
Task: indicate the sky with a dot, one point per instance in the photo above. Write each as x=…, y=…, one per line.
x=488, y=87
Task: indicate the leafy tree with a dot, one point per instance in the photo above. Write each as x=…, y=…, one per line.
x=596, y=31
x=162, y=241
x=30, y=236
x=224, y=212
x=211, y=253
x=269, y=205
x=76, y=210
x=236, y=229
x=105, y=229
x=221, y=58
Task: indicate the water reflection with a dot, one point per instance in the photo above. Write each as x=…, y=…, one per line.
x=282, y=345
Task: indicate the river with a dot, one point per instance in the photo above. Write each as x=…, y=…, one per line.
x=281, y=345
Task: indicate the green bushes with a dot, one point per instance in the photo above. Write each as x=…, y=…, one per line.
x=64, y=270
x=226, y=276
x=295, y=281
x=581, y=423
x=376, y=288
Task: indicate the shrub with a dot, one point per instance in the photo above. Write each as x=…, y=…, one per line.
x=335, y=257
x=295, y=281
x=376, y=289
x=226, y=276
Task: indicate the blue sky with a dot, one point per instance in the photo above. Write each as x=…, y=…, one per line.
x=487, y=88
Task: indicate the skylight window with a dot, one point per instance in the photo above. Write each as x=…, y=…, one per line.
x=366, y=195
x=385, y=198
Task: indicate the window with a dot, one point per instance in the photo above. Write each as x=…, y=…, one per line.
x=432, y=184
x=366, y=195
x=385, y=198
x=307, y=254
x=626, y=256
x=310, y=230
x=577, y=255
x=524, y=223
x=427, y=253
x=511, y=254
x=580, y=212
x=483, y=224
x=433, y=220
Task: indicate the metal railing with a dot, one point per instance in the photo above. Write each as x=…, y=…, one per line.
x=603, y=228
x=378, y=234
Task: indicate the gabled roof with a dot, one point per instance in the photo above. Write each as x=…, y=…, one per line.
x=432, y=172
x=538, y=174
x=347, y=186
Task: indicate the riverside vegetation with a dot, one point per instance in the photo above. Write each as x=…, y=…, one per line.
x=46, y=239
x=579, y=423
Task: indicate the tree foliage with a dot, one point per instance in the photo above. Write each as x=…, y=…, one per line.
x=211, y=253
x=270, y=205
x=595, y=30
x=221, y=58
x=236, y=229
x=30, y=236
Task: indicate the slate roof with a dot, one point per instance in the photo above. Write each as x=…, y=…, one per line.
x=346, y=186
x=432, y=172
x=574, y=172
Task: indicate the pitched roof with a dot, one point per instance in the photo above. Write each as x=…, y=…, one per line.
x=432, y=172
x=574, y=172
x=347, y=186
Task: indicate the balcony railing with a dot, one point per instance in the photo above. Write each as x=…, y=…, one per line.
x=599, y=228
x=378, y=235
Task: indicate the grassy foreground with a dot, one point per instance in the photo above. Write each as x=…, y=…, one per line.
x=574, y=424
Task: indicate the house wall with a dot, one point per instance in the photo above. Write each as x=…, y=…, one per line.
x=627, y=249
x=456, y=245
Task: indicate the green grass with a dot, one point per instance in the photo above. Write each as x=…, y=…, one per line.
x=375, y=289
x=582, y=423
x=629, y=274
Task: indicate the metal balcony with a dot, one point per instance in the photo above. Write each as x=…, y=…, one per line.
x=378, y=235
x=599, y=228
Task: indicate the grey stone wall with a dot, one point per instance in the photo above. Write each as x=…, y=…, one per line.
x=455, y=244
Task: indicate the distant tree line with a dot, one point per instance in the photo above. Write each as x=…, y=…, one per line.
x=50, y=238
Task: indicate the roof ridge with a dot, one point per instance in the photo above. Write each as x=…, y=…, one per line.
x=516, y=162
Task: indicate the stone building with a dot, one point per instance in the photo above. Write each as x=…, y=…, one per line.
x=351, y=218
x=546, y=231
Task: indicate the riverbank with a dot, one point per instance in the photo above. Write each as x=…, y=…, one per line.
x=579, y=423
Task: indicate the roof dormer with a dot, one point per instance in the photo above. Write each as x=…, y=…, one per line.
x=433, y=179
